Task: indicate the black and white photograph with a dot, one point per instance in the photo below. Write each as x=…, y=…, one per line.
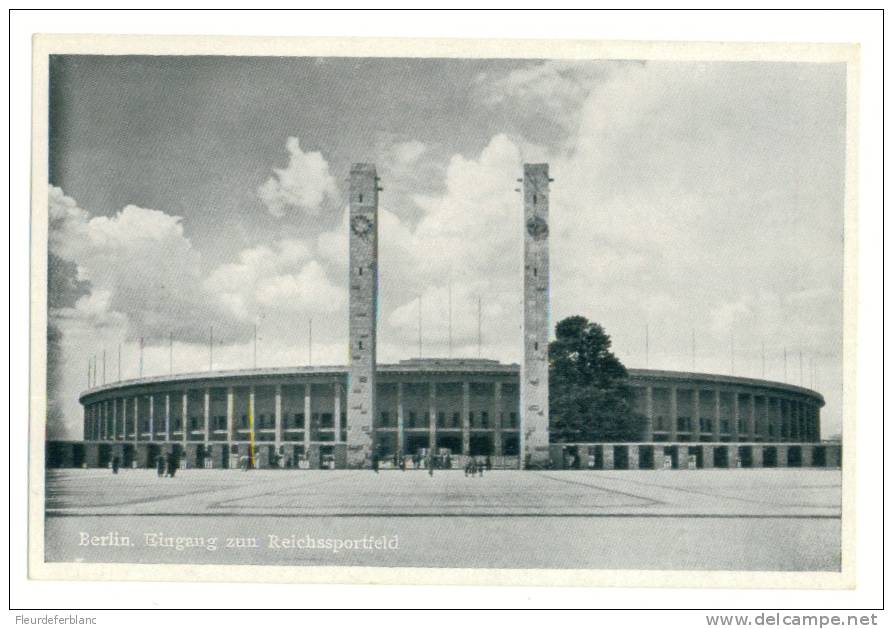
x=441, y=307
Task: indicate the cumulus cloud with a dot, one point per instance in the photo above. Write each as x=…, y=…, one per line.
x=304, y=185
x=278, y=279
x=551, y=92
x=409, y=152
x=141, y=266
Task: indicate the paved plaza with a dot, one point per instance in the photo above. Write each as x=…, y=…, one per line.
x=760, y=519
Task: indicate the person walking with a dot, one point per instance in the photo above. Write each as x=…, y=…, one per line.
x=430, y=465
x=116, y=463
x=172, y=464
x=159, y=465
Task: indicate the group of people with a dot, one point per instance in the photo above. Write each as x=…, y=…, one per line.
x=473, y=466
x=166, y=464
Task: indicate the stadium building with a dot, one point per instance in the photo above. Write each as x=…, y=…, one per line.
x=351, y=416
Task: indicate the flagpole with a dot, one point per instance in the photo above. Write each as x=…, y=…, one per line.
x=763, y=358
x=646, y=346
x=479, y=326
x=450, y=317
x=693, y=353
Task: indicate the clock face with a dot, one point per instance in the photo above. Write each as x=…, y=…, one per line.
x=361, y=226
x=537, y=227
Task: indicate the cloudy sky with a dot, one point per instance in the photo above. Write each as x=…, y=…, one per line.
x=187, y=192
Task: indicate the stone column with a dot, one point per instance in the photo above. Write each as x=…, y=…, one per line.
x=707, y=456
x=784, y=410
x=497, y=419
x=752, y=418
x=736, y=418
x=732, y=456
x=167, y=416
x=184, y=423
x=607, y=457
x=432, y=416
x=277, y=425
x=251, y=420
x=673, y=412
x=534, y=372
x=336, y=410
x=136, y=419
x=307, y=414
x=466, y=423
x=695, y=414
x=781, y=455
x=151, y=418
x=816, y=424
x=807, y=419
x=401, y=428
x=115, y=419
x=806, y=456
x=649, y=414
x=632, y=457
x=717, y=413
x=804, y=421
x=833, y=455
x=230, y=416
x=207, y=415
x=682, y=457
x=362, y=314
x=756, y=456
x=769, y=421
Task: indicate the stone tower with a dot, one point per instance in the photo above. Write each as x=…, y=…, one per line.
x=534, y=433
x=363, y=297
